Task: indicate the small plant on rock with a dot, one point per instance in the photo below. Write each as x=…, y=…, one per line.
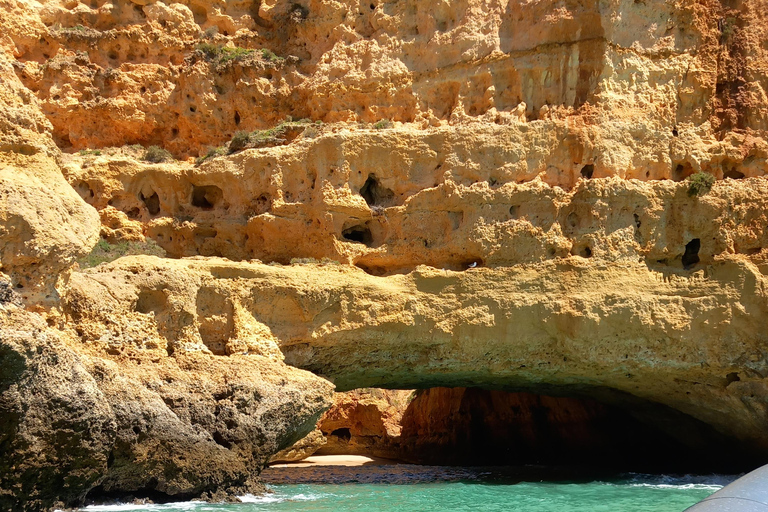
x=105, y=251
x=156, y=155
x=383, y=124
x=700, y=183
x=212, y=153
x=239, y=141
x=270, y=56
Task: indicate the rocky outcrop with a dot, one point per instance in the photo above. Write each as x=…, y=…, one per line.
x=57, y=429
x=553, y=328
x=80, y=420
x=364, y=422
x=302, y=449
x=619, y=74
x=482, y=194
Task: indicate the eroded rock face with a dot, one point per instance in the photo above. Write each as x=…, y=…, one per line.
x=365, y=422
x=196, y=425
x=508, y=178
x=296, y=203
x=57, y=428
x=681, y=74
x=551, y=328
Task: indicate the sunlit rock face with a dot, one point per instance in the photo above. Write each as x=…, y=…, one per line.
x=615, y=332
x=483, y=194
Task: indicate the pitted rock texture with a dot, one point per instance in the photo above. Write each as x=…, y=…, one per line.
x=364, y=422
x=509, y=178
x=57, y=429
x=388, y=202
x=81, y=421
x=45, y=226
x=681, y=73
x=690, y=340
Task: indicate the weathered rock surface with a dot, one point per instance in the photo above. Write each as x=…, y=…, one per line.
x=194, y=424
x=44, y=226
x=57, y=429
x=78, y=419
x=518, y=215
x=689, y=340
x=302, y=449
x=617, y=74
x=364, y=422
x=351, y=198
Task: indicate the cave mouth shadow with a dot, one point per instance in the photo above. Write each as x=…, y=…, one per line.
x=574, y=435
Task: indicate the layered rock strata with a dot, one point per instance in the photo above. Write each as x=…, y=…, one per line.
x=551, y=328
x=364, y=422
x=510, y=182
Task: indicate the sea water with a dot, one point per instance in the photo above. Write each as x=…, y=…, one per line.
x=631, y=493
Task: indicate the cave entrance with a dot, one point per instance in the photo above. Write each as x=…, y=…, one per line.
x=478, y=427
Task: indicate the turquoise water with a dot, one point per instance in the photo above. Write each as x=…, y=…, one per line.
x=639, y=493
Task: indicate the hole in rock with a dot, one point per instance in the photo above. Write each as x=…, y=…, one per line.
x=471, y=263
x=682, y=171
x=374, y=193
x=587, y=171
x=215, y=315
x=151, y=301
x=674, y=132
x=152, y=203
x=732, y=377
x=85, y=191
x=691, y=256
x=584, y=428
x=583, y=250
x=237, y=117
x=360, y=234
x=206, y=196
x=514, y=211
x=219, y=439
x=734, y=174
x=342, y=433
x=299, y=12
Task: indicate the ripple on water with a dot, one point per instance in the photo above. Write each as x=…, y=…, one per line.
x=484, y=490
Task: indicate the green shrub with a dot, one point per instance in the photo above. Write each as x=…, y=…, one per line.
x=270, y=56
x=105, y=252
x=233, y=54
x=156, y=155
x=211, y=32
x=221, y=55
x=210, y=51
x=700, y=183
x=239, y=141
x=90, y=152
x=212, y=153
x=383, y=124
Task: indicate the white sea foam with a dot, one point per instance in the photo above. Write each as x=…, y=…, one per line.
x=130, y=507
x=704, y=487
x=267, y=498
x=684, y=482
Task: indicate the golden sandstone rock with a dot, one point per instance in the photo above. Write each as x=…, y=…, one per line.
x=483, y=193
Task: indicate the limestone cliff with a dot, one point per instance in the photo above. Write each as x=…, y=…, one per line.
x=485, y=193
